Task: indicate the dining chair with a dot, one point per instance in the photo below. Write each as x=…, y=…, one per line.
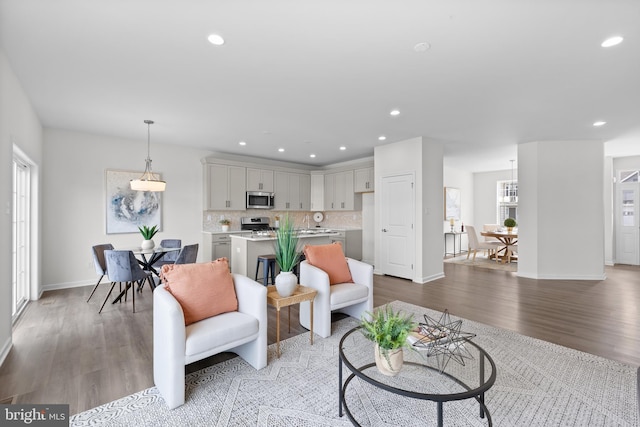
x=490, y=227
x=169, y=257
x=99, y=263
x=475, y=244
x=187, y=255
x=122, y=266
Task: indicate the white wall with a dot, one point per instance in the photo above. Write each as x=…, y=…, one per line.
x=561, y=212
x=463, y=180
x=423, y=158
x=368, y=228
x=19, y=125
x=74, y=199
x=484, y=195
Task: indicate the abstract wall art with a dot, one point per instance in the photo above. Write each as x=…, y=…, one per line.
x=451, y=203
x=126, y=209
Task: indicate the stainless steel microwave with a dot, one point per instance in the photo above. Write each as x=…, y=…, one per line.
x=260, y=200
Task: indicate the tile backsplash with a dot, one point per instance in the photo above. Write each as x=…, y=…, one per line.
x=332, y=219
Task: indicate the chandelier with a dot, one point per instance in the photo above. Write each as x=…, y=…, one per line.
x=148, y=182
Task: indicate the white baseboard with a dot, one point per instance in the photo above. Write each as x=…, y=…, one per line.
x=5, y=350
x=68, y=285
x=430, y=278
x=560, y=277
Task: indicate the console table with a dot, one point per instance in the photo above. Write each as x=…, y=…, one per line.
x=454, y=235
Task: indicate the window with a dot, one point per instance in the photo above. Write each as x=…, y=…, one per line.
x=507, y=200
x=629, y=176
x=21, y=235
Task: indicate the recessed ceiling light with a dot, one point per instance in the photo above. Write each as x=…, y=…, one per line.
x=599, y=123
x=343, y=148
x=216, y=39
x=422, y=47
x=395, y=112
x=382, y=138
x=312, y=156
x=242, y=143
x=281, y=150
x=612, y=41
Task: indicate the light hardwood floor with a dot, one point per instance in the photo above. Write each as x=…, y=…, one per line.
x=65, y=352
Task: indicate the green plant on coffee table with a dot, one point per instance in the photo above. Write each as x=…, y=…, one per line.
x=387, y=328
x=148, y=232
x=286, y=245
x=510, y=222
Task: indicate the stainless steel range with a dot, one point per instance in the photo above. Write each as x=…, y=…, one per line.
x=258, y=225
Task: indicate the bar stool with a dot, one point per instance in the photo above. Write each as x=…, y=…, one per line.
x=268, y=268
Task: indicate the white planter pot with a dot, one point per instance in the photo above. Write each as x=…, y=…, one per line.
x=147, y=245
x=225, y=228
x=286, y=283
x=390, y=365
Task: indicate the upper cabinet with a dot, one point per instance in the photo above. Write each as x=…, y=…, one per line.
x=364, y=180
x=338, y=191
x=317, y=192
x=292, y=191
x=225, y=187
x=260, y=180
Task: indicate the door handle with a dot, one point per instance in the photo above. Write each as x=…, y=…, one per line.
x=384, y=230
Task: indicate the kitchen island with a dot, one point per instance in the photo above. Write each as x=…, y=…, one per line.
x=245, y=249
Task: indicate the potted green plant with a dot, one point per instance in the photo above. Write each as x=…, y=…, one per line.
x=225, y=223
x=287, y=257
x=389, y=331
x=510, y=223
x=148, y=233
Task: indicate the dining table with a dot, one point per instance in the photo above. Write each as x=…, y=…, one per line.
x=508, y=239
x=146, y=258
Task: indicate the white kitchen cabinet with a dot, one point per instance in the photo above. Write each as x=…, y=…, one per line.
x=292, y=191
x=218, y=245
x=351, y=241
x=305, y=192
x=317, y=192
x=260, y=180
x=364, y=179
x=225, y=187
x=338, y=191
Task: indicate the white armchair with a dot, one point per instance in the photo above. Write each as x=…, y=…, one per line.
x=353, y=299
x=243, y=332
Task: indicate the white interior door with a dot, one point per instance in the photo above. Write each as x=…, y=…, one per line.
x=627, y=225
x=397, y=218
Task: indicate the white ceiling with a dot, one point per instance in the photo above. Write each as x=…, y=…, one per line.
x=311, y=75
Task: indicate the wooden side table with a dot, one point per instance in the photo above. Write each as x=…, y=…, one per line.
x=302, y=293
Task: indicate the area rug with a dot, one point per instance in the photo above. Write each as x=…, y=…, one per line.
x=483, y=262
x=538, y=384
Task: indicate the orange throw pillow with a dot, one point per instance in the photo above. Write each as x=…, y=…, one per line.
x=329, y=258
x=203, y=290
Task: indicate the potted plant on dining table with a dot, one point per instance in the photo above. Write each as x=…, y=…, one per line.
x=510, y=223
x=148, y=233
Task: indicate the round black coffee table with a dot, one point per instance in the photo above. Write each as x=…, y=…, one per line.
x=421, y=377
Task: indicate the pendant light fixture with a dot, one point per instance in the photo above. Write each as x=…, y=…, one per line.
x=147, y=181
